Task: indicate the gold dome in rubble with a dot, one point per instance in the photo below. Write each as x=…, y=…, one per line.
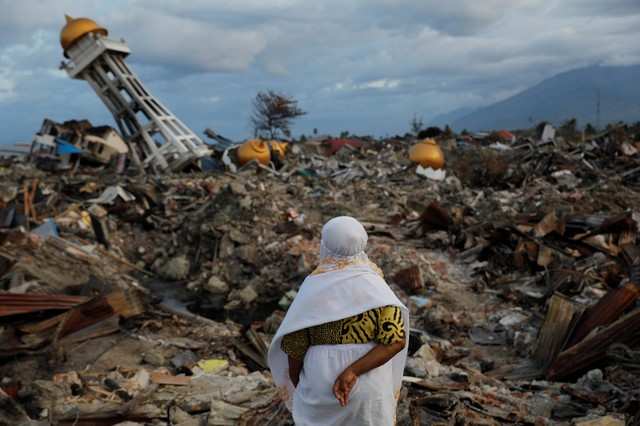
x=278, y=148
x=76, y=28
x=427, y=153
x=255, y=149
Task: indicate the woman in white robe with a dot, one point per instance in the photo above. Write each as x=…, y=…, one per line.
x=346, y=383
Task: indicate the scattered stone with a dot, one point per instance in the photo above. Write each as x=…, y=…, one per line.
x=409, y=279
x=238, y=188
x=425, y=359
x=599, y=421
x=180, y=417
x=216, y=286
x=248, y=253
x=513, y=319
x=155, y=356
x=223, y=413
x=176, y=269
x=287, y=299
x=185, y=359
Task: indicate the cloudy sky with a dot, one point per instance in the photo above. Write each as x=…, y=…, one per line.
x=366, y=66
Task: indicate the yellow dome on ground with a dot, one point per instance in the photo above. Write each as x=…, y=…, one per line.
x=76, y=28
x=255, y=149
x=427, y=153
x=279, y=148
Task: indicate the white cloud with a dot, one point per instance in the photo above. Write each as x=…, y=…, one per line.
x=187, y=43
x=380, y=84
x=20, y=19
x=275, y=68
x=7, y=87
x=19, y=65
x=211, y=99
x=600, y=8
x=240, y=6
x=454, y=17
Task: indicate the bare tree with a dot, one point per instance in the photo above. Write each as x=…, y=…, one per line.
x=273, y=113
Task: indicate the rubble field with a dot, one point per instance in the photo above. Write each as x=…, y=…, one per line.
x=151, y=300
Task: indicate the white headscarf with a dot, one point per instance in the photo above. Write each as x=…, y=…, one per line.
x=345, y=284
x=343, y=237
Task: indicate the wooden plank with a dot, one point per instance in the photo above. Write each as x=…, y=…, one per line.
x=562, y=316
x=25, y=203
x=167, y=379
x=439, y=384
x=593, y=348
x=600, y=421
x=250, y=353
x=41, y=326
x=103, y=328
x=125, y=304
x=93, y=413
x=616, y=301
x=608, y=309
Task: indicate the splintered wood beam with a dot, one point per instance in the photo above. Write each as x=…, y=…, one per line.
x=126, y=304
x=562, y=316
x=103, y=328
x=605, y=311
x=593, y=348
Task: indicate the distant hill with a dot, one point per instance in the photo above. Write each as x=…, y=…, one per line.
x=559, y=98
x=451, y=117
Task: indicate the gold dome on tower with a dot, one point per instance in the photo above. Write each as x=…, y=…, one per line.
x=76, y=28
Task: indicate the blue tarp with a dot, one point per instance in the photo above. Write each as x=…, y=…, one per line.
x=48, y=229
x=64, y=148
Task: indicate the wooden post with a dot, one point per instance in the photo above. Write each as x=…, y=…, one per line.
x=561, y=318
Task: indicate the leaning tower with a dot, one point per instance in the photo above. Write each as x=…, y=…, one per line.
x=157, y=139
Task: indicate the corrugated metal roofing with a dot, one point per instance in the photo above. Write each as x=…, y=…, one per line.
x=13, y=304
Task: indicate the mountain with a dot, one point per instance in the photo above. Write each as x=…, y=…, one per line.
x=451, y=117
x=564, y=96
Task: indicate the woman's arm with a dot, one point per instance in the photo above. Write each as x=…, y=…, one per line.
x=376, y=357
x=295, y=367
x=295, y=345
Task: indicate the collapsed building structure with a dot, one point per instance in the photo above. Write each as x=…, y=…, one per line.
x=58, y=142
x=157, y=139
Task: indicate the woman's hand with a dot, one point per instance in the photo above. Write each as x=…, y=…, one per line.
x=376, y=357
x=343, y=386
